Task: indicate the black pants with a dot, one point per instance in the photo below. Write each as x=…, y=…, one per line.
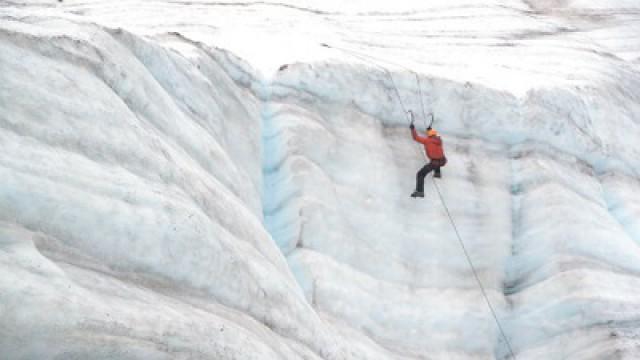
x=435, y=166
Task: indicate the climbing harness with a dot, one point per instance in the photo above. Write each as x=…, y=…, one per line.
x=375, y=61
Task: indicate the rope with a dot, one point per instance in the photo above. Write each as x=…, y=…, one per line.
x=373, y=60
x=424, y=115
x=473, y=269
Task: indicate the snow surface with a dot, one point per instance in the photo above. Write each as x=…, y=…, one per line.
x=168, y=193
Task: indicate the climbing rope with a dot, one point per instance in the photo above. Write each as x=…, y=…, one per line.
x=375, y=62
x=424, y=115
x=473, y=269
x=369, y=59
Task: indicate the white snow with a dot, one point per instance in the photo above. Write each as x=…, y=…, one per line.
x=167, y=193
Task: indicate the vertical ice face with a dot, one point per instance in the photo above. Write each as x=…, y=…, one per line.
x=537, y=187
x=162, y=199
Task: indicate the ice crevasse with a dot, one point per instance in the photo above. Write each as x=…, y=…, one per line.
x=161, y=199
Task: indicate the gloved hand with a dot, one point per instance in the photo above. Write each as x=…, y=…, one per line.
x=411, y=126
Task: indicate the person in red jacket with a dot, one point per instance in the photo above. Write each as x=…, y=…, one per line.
x=433, y=147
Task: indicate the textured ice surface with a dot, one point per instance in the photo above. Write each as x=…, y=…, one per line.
x=162, y=198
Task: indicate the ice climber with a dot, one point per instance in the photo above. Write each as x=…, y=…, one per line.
x=433, y=147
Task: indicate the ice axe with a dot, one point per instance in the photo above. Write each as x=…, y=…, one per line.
x=433, y=118
x=412, y=118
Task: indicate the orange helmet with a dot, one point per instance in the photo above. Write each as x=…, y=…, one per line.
x=431, y=132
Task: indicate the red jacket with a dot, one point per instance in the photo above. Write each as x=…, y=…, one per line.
x=432, y=145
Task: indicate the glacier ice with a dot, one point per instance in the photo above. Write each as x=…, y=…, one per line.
x=167, y=194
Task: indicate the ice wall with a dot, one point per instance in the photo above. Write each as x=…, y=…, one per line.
x=529, y=183
x=130, y=205
x=161, y=199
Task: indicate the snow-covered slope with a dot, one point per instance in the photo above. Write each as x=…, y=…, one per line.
x=163, y=198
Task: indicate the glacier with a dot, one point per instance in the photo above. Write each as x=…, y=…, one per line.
x=205, y=180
